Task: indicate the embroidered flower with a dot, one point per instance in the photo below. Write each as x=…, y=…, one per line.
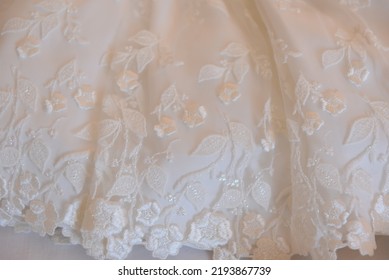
x=127, y=81
x=335, y=213
x=119, y=248
x=227, y=252
x=56, y=103
x=333, y=102
x=194, y=115
x=148, y=214
x=28, y=47
x=267, y=249
x=357, y=73
x=360, y=236
x=27, y=187
x=42, y=217
x=166, y=126
x=164, y=241
x=3, y=189
x=312, y=123
x=253, y=225
x=104, y=218
x=85, y=97
x=228, y=93
x=210, y=230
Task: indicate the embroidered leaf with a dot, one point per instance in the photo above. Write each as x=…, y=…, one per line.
x=16, y=25
x=332, y=57
x=109, y=107
x=232, y=198
x=156, y=178
x=210, y=145
x=195, y=193
x=9, y=156
x=328, y=176
x=210, y=72
x=119, y=57
x=261, y=193
x=241, y=135
x=39, y=153
x=234, y=50
x=100, y=130
x=240, y=70
x=381, y=109
x=49, y=24
x=135, y=121
x=362, y=179
x=123, y=186
x=303, y=89
x=144, y=57
x=73, y=156
x=168, y=97
x=27, y=93
x=67, y=72
x=360, y=130
x=54, y=6
x=145, y=38
x=219, y=4
x=76, y=174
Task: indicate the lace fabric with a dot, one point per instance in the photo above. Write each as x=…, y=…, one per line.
x=251, y=128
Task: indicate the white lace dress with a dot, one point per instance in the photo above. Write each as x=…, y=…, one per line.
x=255, y=128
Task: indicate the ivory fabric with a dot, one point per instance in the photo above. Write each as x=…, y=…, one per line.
x=255, y=129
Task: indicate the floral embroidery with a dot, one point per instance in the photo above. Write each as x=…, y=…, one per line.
x=336, y=214
x=333, y=102
x=312, y=123
x=164, y=241
x=166, y=127
x=128, y=81
x=353, y=48
x=267, y=249
x=148, y=214
x=48, y=16
x=106, y=218
x=360, y=237
x=233, y=70
x=42, y=217
x=71, y=76
x=120, y=247
x=253, y=225
x=27, y=187
x=210, y=230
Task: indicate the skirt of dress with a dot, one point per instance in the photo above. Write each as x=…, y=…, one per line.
x=253, y=128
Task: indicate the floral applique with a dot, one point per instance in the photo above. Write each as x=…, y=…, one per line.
x=130, y=62
x=48, y=16
x=353, y=49
x=164, y=241
x=192, y=114
x=232, y=69
x=69, y=79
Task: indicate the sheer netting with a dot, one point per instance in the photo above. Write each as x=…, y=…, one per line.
x=256, y=129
